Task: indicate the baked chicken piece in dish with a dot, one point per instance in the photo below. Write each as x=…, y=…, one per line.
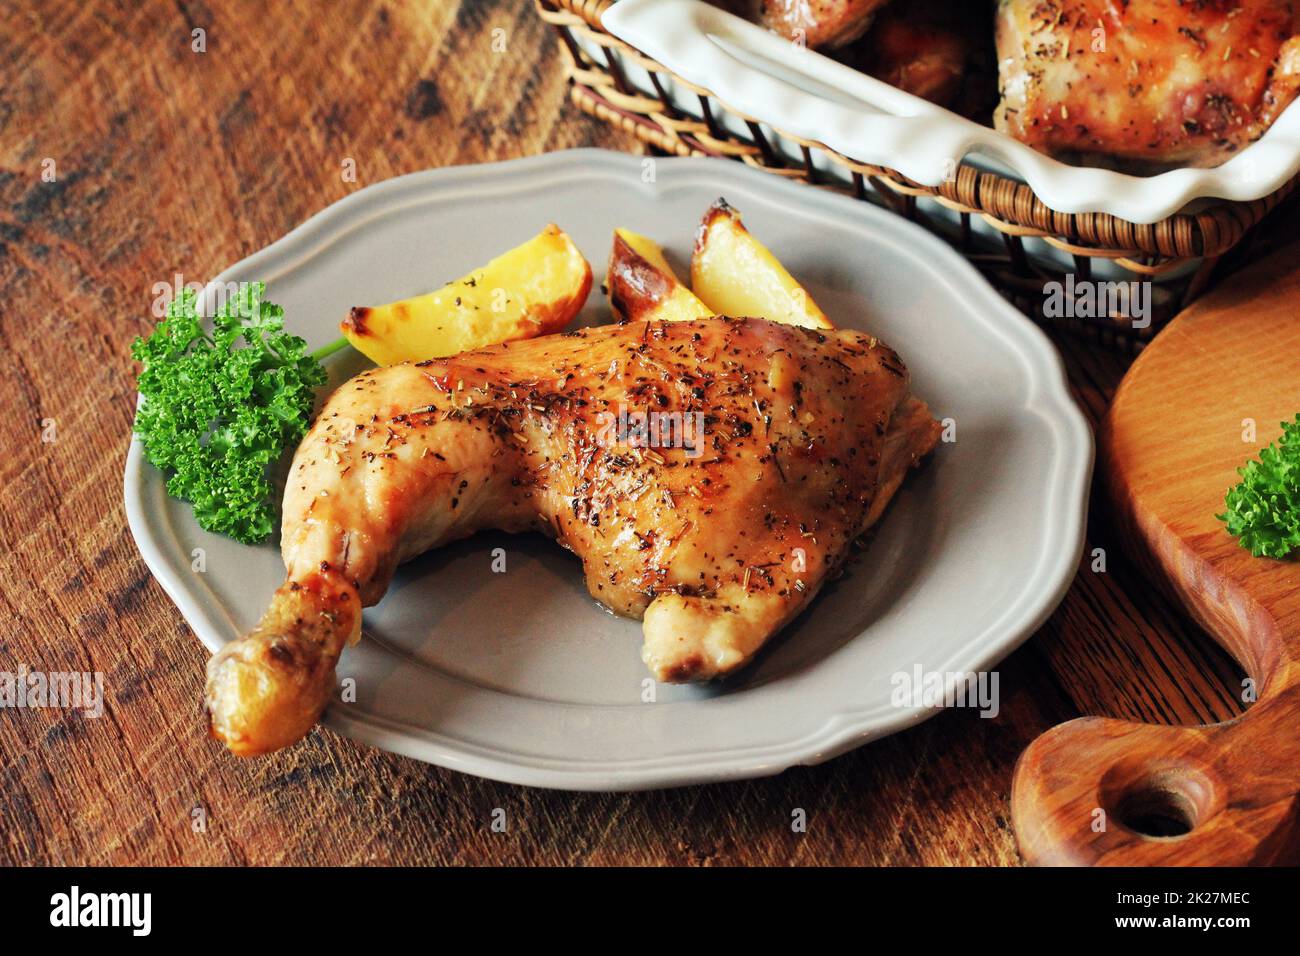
x=717, y=542
x=1163, y=82
x=818, y=23
x=939, y=50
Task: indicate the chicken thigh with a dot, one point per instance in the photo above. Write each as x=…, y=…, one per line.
x=1156, y=81
x=819, y=23
x=940, y=50
x=709, y=474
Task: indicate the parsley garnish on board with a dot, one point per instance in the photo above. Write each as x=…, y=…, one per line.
x=1264, y=510
x=221, y=407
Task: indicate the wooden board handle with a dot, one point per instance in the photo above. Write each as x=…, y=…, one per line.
x=1098, y=791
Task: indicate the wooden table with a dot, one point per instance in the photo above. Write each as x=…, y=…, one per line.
x=166, y=161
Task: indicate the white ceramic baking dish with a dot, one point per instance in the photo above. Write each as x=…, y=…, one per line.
x=801, y=92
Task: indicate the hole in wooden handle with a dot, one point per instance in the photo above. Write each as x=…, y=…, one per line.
x=1161, y=799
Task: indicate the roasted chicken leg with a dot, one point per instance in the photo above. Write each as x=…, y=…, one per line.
x=819, y=23
x=709, y=474
x=1152, y=81
x=940, y=50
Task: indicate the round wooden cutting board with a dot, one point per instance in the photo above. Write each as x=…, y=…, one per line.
x=1205, y=396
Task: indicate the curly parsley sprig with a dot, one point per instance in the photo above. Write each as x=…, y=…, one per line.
x=221, y=407
x=1264, y=509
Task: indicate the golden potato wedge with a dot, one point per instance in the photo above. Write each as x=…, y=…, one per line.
x=734, y=274
x=534, y=289
x=642, y=285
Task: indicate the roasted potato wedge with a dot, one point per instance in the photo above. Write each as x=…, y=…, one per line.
x=642, y=285
x=734, y=274
x=534, y=289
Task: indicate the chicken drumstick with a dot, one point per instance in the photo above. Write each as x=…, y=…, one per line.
x=717, y=542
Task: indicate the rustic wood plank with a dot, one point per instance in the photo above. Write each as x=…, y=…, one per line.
x=174, y=161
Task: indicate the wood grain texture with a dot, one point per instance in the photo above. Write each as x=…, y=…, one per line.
x=1215, y=391
x=170, y=161
x=1208, y=393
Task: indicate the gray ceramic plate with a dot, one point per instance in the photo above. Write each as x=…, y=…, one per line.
x=519, y=675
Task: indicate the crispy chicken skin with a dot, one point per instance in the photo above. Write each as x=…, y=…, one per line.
x=1154, y=81
x=802, y=438
x=819, y=23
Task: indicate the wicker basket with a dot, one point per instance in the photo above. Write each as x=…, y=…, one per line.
x=1180, y=254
